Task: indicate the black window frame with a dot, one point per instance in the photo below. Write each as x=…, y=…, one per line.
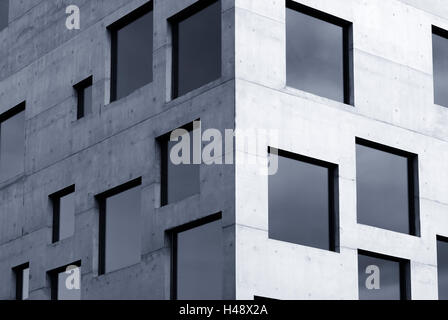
x=113, y=28
x=18, y=274
x=333, y=191
x=405, y=271
x=443, y=34
x=56, y=203
x=413, y=181
x=347, y=44
x=53, y=275
x=196, y=7
x=80, y=88
x=101, y=200
x=173, y=236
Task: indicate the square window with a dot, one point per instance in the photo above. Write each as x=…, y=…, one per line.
x=196, y=46
x=198, y=260
x=120, y=227
x=4, y=13
x=318, y=54
x=84, y=95
x=132, y=45
x=63, y=213
x=303, y=201
x=382, y=277
x=22, y=275
x=442, y=267
x=12, y=142
x=387, y=188
x=66, y=282
x=179, y=180
x=440, y=65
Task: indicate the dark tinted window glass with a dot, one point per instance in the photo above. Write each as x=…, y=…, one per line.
x=198, y=49
x=133, y=56
x=442, y=268
x=67, y=216
x=84, y=90
x=22, y=274
x=123, y=230
x=4, y=13
x=299, y=209
x=181, y=180
x=200, y=263
x=388, y=278
x=314, y=55
x=12, y=146
x=382, y=189
x=69, y=292
x=440, y=63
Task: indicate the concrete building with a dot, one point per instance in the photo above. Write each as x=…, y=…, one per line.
x=388, y=100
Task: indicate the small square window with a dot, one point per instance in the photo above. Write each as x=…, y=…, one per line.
x=63, y=213
x=198, y=260
x=132, y=45
x=387, y=188
x=442, y=267
x=12, y=142
x=303, y=201
x=440, y=65
x=196, y=46
x=382, y=277
x=66, y=282
x=4, y=13
x=179, y=180
x=84, y=95
x=318, y=54
x=120, y=227
x=22, y=275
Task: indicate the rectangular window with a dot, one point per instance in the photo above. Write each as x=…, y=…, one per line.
x=120, y=227
x=132, y=45
x=12, y=142
x=66, y=282
x=63, y=213
x=442, y=267
x=197, y=260
x=4, y=14
x=318, y=54
x=303, y=201
x=179, y=180
x=382, y=277
x=440, y=65
x=387, y=187
x=22, y=275
x=196, y=46
x=84, y=95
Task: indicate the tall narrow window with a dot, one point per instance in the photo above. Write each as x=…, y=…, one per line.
x=318, y=54
x=180, y=179
x=198, y=260
x=382, y=277
x=303, y=201
x=63, y=213
x=12, y=142
x=66, y=282
x=84, y=95
x=442, y=267
x=132, y=45
x=22, y=275
x=120, y=227
x=387, y=187
x=440, y=65
x=196, y=46
x=4, y=13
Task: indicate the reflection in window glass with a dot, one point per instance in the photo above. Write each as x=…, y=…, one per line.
x=132, y=55
x=22, y=274
x=12, y=146
x=382, y=186
x=440, y=67
x=442, y=268
x=299, y=208
x=67, y=216
x=197, y=49
x=380, y=278
x=314, y=55
x=200, y=263
x=66, y=286
x=84, y=91
x=4, y=13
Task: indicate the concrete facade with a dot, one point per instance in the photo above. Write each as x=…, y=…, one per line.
x=41, y=60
